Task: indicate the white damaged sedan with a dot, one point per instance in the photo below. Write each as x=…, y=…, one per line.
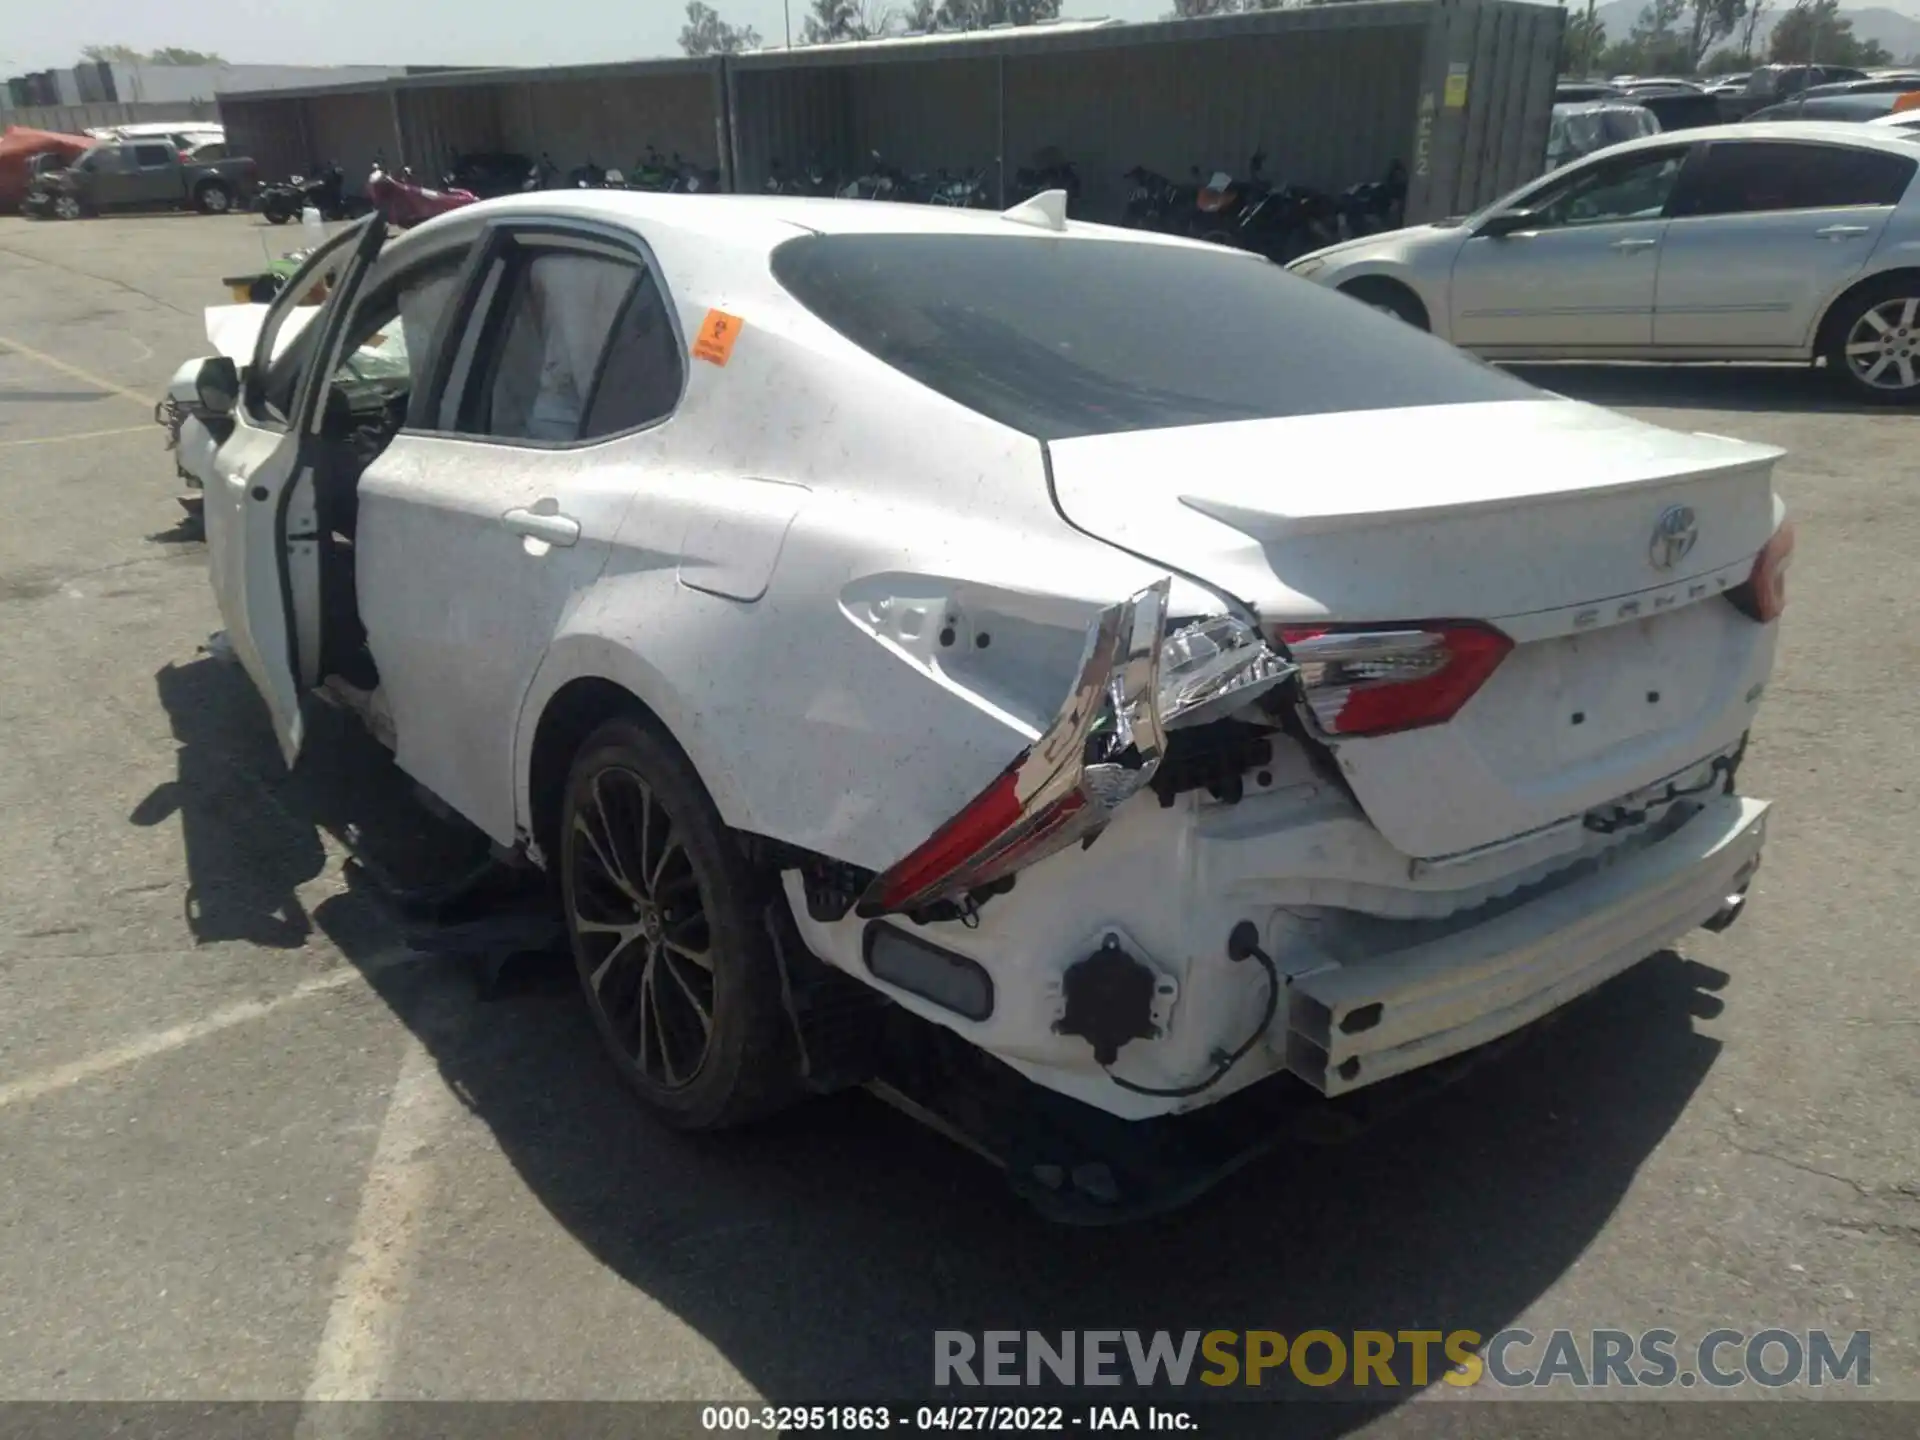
x=1026, y=667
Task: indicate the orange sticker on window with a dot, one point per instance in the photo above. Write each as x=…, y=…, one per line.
x=718, y=331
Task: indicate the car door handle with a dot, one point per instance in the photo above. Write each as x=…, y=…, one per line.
x=1843, y=232
x=554, y=529
x=1634, y=244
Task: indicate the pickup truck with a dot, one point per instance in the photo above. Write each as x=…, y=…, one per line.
x=146, y=175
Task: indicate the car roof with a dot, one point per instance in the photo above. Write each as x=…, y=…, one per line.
x=765, y=221
x=1829, y=132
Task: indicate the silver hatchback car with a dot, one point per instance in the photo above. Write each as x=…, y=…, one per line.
x=1761, y=242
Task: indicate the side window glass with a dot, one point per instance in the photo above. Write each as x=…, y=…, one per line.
x=1763, y=176
x=641, y=376
x=288, y=334
x=390, y=345
x=1635, y=188
x=1829, y=177
x=558, y=319
x=151, y=156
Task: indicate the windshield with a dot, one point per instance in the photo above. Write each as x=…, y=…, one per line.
x=1061, y=337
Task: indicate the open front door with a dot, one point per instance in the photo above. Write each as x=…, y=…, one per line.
x=262, y=543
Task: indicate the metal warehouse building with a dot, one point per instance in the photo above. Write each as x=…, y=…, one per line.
x=1458, y=90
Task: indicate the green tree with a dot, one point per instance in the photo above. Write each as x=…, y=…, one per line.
x=1750, y=30
x=175, y=55
x=1815, y=31
x=1582, y=43
x=1656, y=45
x=705, y=33
x=1672, y=37
x=165, y=55
x=921, y=15
x=1727, y=60
x=1710, y=21
x=978, y=14
x=1192, y=9
x=845, y=20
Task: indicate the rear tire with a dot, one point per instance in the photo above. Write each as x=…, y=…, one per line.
x=665, y=915
x=213, y=198
x=1390, y=297
x=1873, y=341
x=276, y=216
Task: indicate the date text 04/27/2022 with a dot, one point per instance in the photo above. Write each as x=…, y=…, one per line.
x=979, y=1419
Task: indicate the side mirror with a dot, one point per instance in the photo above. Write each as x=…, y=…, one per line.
x=217, y=386
x=1509, y=222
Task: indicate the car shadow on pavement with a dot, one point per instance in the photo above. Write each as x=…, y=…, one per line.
x=253, y=832
x=1698, y=387
x=820, y=1252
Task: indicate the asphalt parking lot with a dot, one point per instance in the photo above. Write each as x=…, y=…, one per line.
x=253, y=1147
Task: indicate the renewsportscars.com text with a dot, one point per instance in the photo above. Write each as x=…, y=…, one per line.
x=1374, y=1360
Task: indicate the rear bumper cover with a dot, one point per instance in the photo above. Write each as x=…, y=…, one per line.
x=1354, y=1025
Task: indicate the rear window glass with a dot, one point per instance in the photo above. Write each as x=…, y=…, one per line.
x=1065, y=337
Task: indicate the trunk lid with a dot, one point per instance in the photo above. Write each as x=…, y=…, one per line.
x=1536, y=516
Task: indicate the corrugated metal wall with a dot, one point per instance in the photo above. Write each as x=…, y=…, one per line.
x=795, y=118
x=350, y=130
x=1486, y=93
x=612, y=121
x=439, y=122
x=1330, y=107
x=926, y=115
x=271, y=132
x=1460, y=90
x=1516, y=56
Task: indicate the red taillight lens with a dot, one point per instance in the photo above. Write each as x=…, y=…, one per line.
x=1763, y=595
x=1378, y=681
x=1137, y=683
x=1103, y=747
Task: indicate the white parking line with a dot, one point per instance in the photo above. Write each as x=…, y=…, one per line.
x=159, y=1042
x=356, y=1348
x=74, y=372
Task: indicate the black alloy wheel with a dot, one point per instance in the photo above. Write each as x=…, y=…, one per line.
x=665, y=917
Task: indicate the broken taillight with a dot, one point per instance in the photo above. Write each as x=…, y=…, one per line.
x=1136, y=682
x=1375, y=681
x=1762, y=595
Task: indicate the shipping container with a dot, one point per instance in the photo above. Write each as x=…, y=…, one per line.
x=1458, y=91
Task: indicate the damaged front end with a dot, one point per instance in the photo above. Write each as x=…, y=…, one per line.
x=195, y=414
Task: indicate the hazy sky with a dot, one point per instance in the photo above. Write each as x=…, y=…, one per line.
x=38, y=34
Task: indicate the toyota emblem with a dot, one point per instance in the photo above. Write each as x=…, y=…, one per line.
x=1674, y=534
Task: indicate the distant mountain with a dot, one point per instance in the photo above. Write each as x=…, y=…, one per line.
x=1899, y=32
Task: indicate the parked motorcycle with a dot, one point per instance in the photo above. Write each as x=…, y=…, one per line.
x=813, y=179
x=323, y=188
x=967, y=191
x=587, y=177
x=880, y=182
x=678, y=175
x=651, y=172
x=405, y=203
x=1157, y=203
x=488, y=173
x=1279, y=221
x=544, y=175
x=1050, y=171
x=1374, y=205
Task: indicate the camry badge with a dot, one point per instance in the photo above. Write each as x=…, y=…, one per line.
x=1674, y=534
